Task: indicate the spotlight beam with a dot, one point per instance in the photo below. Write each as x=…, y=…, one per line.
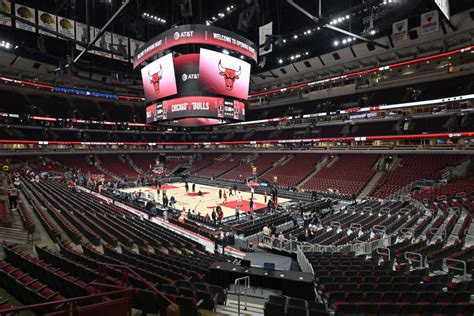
x=334, y=28
x=101, y=32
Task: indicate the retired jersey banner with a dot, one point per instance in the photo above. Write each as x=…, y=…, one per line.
x=429, y=22
x=25, y=13
x=48, y=21
x=400, y=31
x=81, y=34
x=7, y=8
x=263, y=31
x=195, y=34
x=104, y=42
x=135, y=46
x=119, y=45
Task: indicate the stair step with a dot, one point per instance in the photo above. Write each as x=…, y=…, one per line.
x=231, y=308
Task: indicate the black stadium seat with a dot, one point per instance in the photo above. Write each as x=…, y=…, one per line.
x=273, y=309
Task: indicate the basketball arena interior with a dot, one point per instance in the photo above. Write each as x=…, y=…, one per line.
x=236, y=157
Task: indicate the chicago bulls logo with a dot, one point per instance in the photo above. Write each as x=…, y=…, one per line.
x=230, y=75
x=155, y=79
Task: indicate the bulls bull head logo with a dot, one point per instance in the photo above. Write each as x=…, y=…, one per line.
x=230, y=75
x=155, y=79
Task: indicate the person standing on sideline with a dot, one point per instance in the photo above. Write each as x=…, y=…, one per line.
x=214, y=216
x=220, y=194
x=265, y=196
x=266, y=231
x=194, y=187
x=165, y=215
x=225, y=197
x=237, y=213
x=251, y=204
x=186, y=186
x=220, y=213
x=252, y=191
x=239, y=199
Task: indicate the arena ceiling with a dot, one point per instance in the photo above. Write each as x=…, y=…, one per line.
x=288, y=22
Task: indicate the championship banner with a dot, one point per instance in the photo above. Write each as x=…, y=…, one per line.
x=48, y=21
x=400, y=31
x=120, y=43
x=195, y=34
x=66, y=27
x=264, y=30
x=7, y=8
x=429, y=22
x=26, y=13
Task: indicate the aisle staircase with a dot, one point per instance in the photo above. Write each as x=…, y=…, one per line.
x=325, y=162
x=231, y=309
x=132, y=163
x=16, y=233
x=283, y=160
x=370, y=185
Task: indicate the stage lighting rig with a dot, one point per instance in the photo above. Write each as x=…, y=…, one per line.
x=153, y=18
x=222, y=14
x=6, y=45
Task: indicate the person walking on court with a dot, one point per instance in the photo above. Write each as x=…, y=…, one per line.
x=194, y=187
x=251, y=204
x=265, y=196
x=230, y=192
x=239, y=199
x=220, y=194
x=225, y=197
x=186, y=186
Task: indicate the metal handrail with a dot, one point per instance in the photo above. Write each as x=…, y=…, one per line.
x=356, y=226
x=367, y=209
x=69, y=303
x=407, y=255
x=379, y=228
x=408, y=232
x=463, y=269
x=388, y=252
x=246, y=284
x=405, y=211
